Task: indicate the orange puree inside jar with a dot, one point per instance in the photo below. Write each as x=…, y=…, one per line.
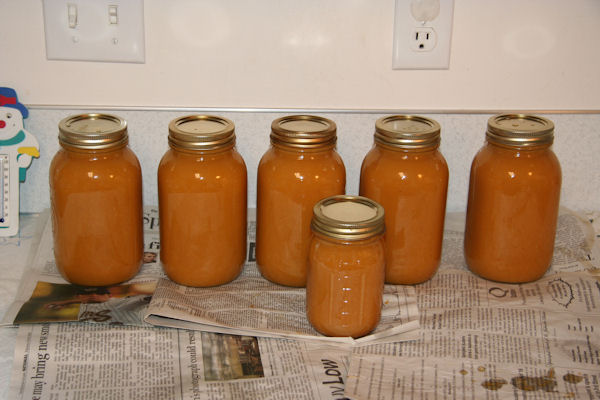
x=514, y=193
x=346, y=267
x=96, y=198
x=408, y=176
x=202, y=183
x=299, y=169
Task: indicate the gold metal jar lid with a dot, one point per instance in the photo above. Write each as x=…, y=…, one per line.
x=93, y=131
x=520, y=130
x=348, y=218
x=407, y=132
x=303, y=132
x=201, y=132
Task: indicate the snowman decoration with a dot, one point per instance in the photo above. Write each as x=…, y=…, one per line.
x=17, y=148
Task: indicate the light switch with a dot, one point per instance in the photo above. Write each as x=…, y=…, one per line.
x=72, y=15
x=95, y=30
x=113, y=17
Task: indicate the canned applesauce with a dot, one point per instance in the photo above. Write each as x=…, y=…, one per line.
x=96, y=200
x=300, y=168
x=202, y=192
x=346, y=266
x=514, y=194
x=407, y=174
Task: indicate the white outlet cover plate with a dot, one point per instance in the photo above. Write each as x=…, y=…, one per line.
x=94, y=38
x=404, y=54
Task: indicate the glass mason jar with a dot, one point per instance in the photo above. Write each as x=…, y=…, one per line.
x=514, y=193
x=300, y=168
x=202, y=198
x=346, y=266
x=406, y=173
x=96, y=200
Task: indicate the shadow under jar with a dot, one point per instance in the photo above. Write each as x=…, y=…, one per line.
x=202, y=198
x=406, y=173
x=514, y=193
x=96, y=200
x=300, y=168
x=346, y=266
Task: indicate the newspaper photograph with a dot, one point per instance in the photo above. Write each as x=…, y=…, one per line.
x=60, y=302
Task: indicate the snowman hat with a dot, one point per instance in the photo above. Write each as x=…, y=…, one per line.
x=8, y=98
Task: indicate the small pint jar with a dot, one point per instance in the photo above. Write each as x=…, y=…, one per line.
x=346, y=266
x=514, y=194
x=407, y=174
x=202, y=192
x=300, y=168
x=96, y=200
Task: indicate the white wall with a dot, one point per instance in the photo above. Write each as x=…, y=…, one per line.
x=334, y=54
x=321, y=55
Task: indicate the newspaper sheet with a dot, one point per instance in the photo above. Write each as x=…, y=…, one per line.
x=477, y=339
x=15, y=253
x=483, y=339
x=95, y=361
x=251, y=305
x=44, y=296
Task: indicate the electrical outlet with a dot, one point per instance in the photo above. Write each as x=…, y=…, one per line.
x=422, y=34
x=424, y=39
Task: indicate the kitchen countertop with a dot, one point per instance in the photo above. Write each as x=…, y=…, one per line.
x=14, y=260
